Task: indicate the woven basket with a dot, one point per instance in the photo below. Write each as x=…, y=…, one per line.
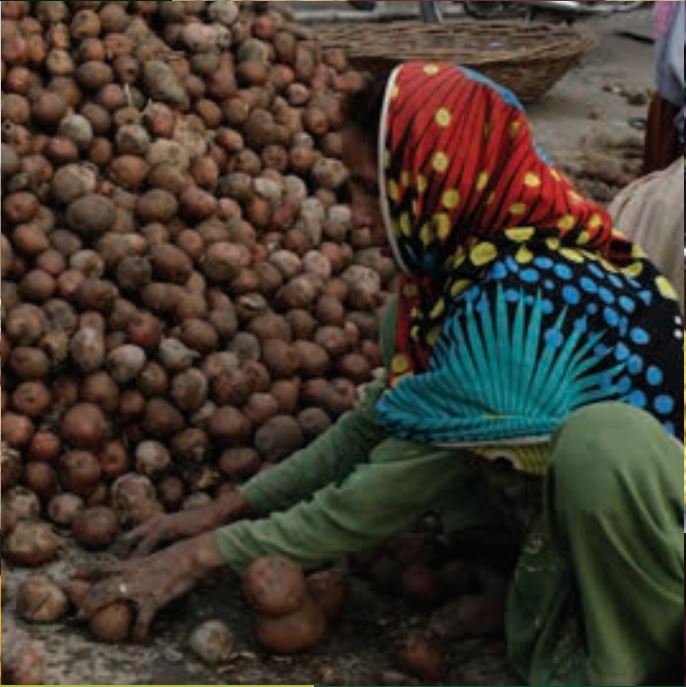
x=529, y=58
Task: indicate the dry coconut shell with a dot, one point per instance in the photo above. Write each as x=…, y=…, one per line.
x=112, y=624
x=95, y=528
x=25, y=664
x=328, y=590
x=292, y=633
x=40, y=600
x=31, y=543
x=213, y=642
x=274, y=585
x=420, y=654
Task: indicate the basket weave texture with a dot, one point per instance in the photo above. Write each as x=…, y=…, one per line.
x=529, y=58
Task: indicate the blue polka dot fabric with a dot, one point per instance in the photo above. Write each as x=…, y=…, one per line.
x=537, y=333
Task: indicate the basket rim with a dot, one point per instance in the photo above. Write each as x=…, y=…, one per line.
x=577, y=40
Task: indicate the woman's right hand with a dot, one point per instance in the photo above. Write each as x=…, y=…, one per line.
x=145, y=538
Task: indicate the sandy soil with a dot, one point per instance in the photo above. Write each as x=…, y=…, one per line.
x=582, y=106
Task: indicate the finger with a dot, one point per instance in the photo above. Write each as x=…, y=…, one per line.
x=146, y=546
x=102, y=594
x=130, y=540
x=139, y=532
x=146, y=614
x=123, y=548
x=99, y=571
x=92, y=574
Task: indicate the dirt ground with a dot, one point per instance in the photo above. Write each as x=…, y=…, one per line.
x=587, y=103
x=358, y=650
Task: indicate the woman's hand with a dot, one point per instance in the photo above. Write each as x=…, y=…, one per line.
x=145, y=538
x=151, y=583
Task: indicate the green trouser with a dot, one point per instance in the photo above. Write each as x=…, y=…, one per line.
x=597, y=597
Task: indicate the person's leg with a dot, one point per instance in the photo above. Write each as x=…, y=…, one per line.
x=598, y=593
x=617, y=504
x=662, y=140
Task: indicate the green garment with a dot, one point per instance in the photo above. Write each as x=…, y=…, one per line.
x=348, y=491
x=597, y=597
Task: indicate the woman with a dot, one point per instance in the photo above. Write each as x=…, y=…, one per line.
x=522, y=319
x=665, y=133
x=651, y=212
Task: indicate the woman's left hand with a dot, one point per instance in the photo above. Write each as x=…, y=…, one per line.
x=151, y=583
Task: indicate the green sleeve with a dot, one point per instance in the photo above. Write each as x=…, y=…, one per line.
x=329, y=459
x=401, y=481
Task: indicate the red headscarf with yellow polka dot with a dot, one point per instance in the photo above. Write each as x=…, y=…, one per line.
x=461, y=175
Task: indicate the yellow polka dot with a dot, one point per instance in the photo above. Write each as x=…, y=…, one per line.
x=443, y=117
x=520, y=234
x=532, y=180
x=440, y=162
x=665, y=288
x=515, y=128
x=584, y=238
x=618, y=233
x=438, y=309
x=483, y=253
x=609, y=266
x=393, y=191
x=524, y=255
x=451, y=199
x=572, y=255
x=395, y=91
x=634, y=270
x=518, y=209
x=459, y=258
x=553, y=244
x=443, y=226
x=414, y=333
x=432, y=336
x=405, y=224
x=566, y=223
x=405, y=179
x=460, y=287
x=491, y=199
x=637, y=252
x=426, y=235
x=595, y=221
x=431, y=69
x=482, y=181
x=400, y=364
x=410, y=291
x=422, y=183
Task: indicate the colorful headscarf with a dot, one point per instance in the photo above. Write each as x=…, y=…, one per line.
x=519, y=301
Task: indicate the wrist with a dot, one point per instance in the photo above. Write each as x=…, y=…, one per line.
x=205, y=555
x=231, y=506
